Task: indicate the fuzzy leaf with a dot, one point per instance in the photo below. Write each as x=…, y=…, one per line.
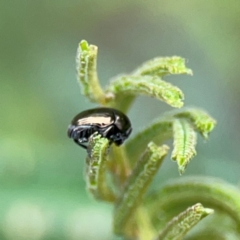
x=179, y=193
x=86, y=61
x=184, y=142
x=201, y=120
x=163, y=66
x=178, y=227
x=96, y=168
x=161, y=130
x=155, y=68
x=148, y=86
x=137, y=184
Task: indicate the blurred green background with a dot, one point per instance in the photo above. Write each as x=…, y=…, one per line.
x=42, y=188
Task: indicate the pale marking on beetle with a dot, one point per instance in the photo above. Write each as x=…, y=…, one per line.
x=101, y=121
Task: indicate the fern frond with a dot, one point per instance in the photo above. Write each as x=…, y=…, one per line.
x=184, y=142
x=178, y=227
x=136, y=185
x=163, y=66
x=86, y=63
x=177, y=194
x=96, y=168
x=148, y=86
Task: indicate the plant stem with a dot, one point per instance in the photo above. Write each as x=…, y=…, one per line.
x=121, y=165
x=144, y=225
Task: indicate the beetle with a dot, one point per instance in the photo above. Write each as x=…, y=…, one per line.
x=108, y=122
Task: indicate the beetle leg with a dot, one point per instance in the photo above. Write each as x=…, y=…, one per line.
x=80, y=144
x=105, y=131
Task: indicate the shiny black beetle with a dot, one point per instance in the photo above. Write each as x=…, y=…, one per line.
x=108, y=122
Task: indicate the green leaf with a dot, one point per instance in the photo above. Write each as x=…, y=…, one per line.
x=147, y=86
x=178, y=227
x=179, y=193
x=155, y=68
x=186, y=121
x=163, y=66
x=96, y=168
x=137, y=184
x=86, y=61
x=184, y=142
x=201, y=120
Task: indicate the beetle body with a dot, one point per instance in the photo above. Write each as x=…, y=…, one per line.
x=108, y=122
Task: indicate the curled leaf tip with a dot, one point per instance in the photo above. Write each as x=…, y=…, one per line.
x=201, y=120
x=86, y=65
x=208, y=128
x=181, y=224
x=83, y=45
x=148, y=86
x=181, y=169
x=208, y=211
x=163, y=66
